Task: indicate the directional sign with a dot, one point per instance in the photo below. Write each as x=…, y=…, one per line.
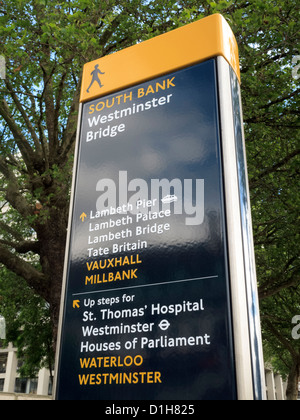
x=159, y=279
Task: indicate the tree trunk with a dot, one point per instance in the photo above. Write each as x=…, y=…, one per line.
x=293, y=380
x=52, y=236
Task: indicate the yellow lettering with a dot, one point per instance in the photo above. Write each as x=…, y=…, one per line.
x=170, y=83
x=89, y=266
x=84, y=363
x=120, y=378
x=83, y=379
x=100, y=106
x=108, y=105
x=141, y=92
x=89, y=280
x=159, y=86
x=119, y=99
x=118, y=276
x=157, y=376
x=93, y=363
x=129, y=96
x=150, y=90
x=126, y=261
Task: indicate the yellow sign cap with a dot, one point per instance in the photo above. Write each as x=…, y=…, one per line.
x=199, y=41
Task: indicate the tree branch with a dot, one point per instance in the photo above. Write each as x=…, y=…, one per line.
x=25, y=149
x=18, y=92
x=280, y=337
x=8, y=229
x=25, y=117
x=279, y=100
x=265, y=291
x=23, y=247
x=266, y=62
x=59, y=96
x=33, y=277
x=275, y=167
x=69, y=134
x=48, y=97
x=13, y=194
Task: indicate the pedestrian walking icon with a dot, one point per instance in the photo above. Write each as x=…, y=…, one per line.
x=95, y=73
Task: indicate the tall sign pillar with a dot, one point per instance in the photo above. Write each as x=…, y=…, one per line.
x=159, y=298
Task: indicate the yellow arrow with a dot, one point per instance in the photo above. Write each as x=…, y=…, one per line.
x=83, y=216
x=76, y=304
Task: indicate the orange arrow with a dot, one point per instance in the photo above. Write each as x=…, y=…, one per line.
x=83, y=216
x=76, y=304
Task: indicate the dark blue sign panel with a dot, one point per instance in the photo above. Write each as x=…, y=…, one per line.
x=147, y=311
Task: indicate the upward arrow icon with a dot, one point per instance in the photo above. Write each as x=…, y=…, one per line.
x=83, y=216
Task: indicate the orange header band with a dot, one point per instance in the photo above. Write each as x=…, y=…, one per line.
x=199, y=41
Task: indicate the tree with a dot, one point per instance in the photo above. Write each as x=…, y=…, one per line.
x=271, y=115
x=28, y=327
x=281, y=335
x=46, y=43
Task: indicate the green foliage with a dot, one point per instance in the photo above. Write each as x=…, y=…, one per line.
x=28, y=324
x=281, y=347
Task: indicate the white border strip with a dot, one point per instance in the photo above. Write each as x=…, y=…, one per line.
x=234, y=234
x=258, y=356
